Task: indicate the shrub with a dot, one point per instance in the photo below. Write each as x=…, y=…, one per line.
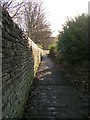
x=72, y=42
x=73, y=50
x=52, y=49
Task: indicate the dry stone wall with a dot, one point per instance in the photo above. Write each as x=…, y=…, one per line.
x=20, y=60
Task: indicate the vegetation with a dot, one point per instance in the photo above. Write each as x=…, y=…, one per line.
x=52, y=49
x=72, y=44
x=72, y=49
x=37, y=27
x=31, y=18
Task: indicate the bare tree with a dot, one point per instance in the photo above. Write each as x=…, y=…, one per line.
x=30, y=17
x=36, y=23
x=12, y=7
x=15, y=10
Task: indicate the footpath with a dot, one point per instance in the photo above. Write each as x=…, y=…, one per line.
x=54, y=96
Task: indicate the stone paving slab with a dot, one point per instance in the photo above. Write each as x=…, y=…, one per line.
x=55, y=96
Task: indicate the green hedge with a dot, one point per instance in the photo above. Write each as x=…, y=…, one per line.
x=73, y=48
x=72, y=41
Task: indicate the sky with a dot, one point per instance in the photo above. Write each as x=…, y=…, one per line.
x=58, y=10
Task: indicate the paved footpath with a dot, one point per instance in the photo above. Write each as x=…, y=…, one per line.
x=54, y=96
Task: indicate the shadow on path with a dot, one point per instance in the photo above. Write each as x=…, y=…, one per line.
x=54, y=96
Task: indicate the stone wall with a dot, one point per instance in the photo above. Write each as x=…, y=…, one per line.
x=20, y=60
x=37, y=54
x=0, y=63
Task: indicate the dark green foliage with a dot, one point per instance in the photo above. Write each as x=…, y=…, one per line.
x=73, y=49
x=52, y=49
x=72, y=41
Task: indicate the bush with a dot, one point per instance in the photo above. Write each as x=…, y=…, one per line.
x=52, y=49
x=72, y=48
x=72, y=42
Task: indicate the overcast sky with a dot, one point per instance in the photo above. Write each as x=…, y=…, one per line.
x=58, y=10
